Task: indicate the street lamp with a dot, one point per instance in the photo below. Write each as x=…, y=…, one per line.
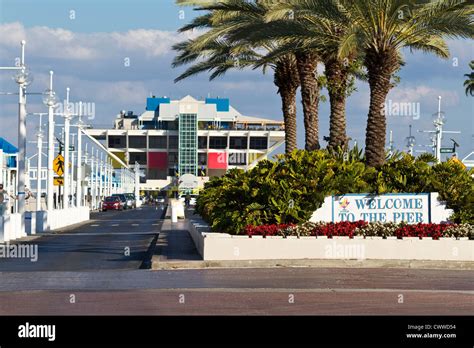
x=410, y=142
x=23, y=78
x=438, y=121
x=38, y=167
x=50, y=99
x=67, y=122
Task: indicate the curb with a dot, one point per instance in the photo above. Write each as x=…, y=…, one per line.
x=158, y=264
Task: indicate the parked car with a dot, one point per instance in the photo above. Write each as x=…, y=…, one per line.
x=112, y=203
x=122, y=198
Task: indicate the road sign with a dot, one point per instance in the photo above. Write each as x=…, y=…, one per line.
x=447, y=150
x=58, y=165
x=71, y=148
x=58, y=181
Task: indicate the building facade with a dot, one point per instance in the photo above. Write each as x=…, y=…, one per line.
x=187, y=136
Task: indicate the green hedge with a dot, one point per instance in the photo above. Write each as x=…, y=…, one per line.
x=291, y=188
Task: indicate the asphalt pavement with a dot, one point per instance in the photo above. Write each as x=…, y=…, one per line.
x=112, y=240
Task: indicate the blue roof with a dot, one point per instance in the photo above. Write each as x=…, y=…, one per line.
x=7, y=147
x=153, y=104
x=222, y=105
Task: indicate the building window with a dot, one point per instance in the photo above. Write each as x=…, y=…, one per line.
x=137, y=142
x=218, y=142
x=202, y=159
x=157, y=174
x=202, y=142
x=258, y=143
x=239, y=143
x=173, y=141
x=117, y=141
x=139, y=157
x=157, y=142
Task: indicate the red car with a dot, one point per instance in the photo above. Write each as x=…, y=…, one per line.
x=112, y=203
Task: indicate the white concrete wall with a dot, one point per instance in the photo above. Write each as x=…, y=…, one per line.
x=10, y=227
x=52, y=220
x=221, y=246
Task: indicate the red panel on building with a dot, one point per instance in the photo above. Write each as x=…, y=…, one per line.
x=217, y=160
x=157, y=160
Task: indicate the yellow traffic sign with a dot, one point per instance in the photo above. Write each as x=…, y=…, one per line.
x=58, y=181
x=58, y=165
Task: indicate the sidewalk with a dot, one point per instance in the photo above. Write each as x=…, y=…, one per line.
x=175, y=244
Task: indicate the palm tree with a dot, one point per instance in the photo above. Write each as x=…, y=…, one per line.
x=379, y=29
x=469, y=83
x=217, y=54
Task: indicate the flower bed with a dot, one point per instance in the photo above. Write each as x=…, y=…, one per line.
x=362, y=228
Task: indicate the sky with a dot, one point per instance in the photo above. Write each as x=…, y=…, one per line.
x=117, y=53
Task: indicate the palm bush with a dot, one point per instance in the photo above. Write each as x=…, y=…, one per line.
x=289, y=189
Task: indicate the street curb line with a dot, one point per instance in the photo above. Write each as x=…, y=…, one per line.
x=158, y=264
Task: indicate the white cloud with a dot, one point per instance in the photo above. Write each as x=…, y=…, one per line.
x=423, y=93
x=56, y=43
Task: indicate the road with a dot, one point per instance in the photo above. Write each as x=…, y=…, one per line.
x=110, y=240
x=89, y=262
x=239, y=291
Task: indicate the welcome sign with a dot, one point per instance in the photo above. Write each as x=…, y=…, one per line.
x=411, y=208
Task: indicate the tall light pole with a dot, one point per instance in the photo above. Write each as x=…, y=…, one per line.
x=71, y=190
x=67, y=123
x=410, y=142
x=137, y=183
x=22, y=79
x=79, y=165
x=92, y=183
x=438, y=122
x=50, y=100
x=38, y=167
x=101, y=172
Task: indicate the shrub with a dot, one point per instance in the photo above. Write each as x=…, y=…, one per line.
x=458, y=231
x=377, y=229
x=421, y=230
x=362, y=228
x=289, y=189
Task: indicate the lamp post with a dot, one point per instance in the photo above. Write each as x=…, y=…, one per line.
x=50, y=100
x=410, y=142
x=38, y=168
x=67, y=123
x=438, y=122
x=92, y=183
x=22, y=78
x=71, y=181
x=101, y=173
x=79, y=165
x=137, y=183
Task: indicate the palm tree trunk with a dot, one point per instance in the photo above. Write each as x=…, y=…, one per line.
x=380, y=67
x=287, y=80
x=307, y=63
x=337, y=74
x=288, y=102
